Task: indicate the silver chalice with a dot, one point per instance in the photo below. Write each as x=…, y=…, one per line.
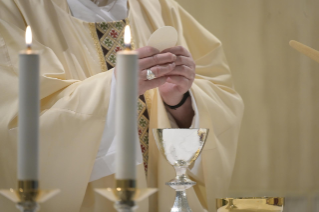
x=181, y=147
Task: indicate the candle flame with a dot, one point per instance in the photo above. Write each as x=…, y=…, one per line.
x=127, y=36
x=28, y=36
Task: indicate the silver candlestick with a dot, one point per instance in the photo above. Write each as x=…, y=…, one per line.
x=181, y=147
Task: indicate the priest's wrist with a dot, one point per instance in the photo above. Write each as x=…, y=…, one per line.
x=184, y=113
x=181, y=102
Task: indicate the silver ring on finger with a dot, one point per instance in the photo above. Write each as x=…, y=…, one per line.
x=149, y=74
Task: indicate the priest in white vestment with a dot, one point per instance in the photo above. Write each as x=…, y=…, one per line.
x=78, y=40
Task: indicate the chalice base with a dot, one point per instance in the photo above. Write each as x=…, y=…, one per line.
x=181, y=203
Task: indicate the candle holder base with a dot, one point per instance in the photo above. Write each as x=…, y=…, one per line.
x=28, y=196
x=125, y=195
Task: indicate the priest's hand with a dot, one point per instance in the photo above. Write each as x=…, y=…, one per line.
x=178, y=82
x=159, y=63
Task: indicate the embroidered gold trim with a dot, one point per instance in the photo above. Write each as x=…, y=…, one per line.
x=98, y=46
x=148, y=99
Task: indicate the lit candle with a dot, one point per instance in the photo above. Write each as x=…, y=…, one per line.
x=29, y=107
x=126, y=110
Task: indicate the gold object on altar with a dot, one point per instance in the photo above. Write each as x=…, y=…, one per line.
x=250, y=204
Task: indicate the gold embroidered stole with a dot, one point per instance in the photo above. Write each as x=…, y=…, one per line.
x=110, y=37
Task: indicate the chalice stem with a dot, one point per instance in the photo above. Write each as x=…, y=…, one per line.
x=181, y=203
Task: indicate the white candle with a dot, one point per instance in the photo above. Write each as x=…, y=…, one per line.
x=126, y=111
x=29, y=106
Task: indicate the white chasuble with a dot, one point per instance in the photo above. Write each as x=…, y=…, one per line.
x=75, y=95
x=110, y=34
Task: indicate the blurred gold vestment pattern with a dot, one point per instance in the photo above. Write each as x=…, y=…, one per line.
x=75, y=95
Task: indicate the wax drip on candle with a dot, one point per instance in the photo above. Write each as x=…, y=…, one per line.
x=127, y=38
x=28, y=37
